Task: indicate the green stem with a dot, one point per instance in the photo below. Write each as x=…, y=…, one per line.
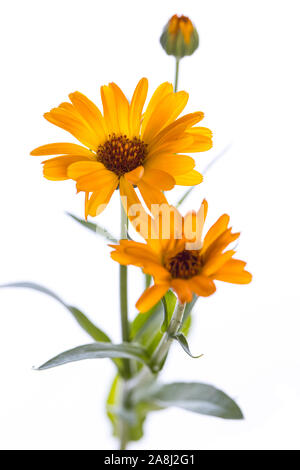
x=123, y=294
x=176, y=74
x=125, y=330
x=162, y=350
x=166, y=341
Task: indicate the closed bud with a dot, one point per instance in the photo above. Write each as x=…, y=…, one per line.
x=179, y=37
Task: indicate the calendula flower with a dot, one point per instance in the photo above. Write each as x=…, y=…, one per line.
x=175, y=264
x=125, y=148
x=180, y=37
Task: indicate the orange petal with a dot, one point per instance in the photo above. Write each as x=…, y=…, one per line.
x=56, y=169
x=122, y=109
x=62, y=148
x=151, y=297
x=134, y=209
x=158, y=179
x=175, y=130
x=233, y=271
x=191, y=178
x=78, y=128
x=202, y=139
x=202, y=285
x=183, y=290
x=135, y=175
x=213, y=264
x=151, y=195
x=89, y=113
x=160, y=92
x=175, y=165
x=100, y=199
x=165, y=113
x=215, y=231
x=96, y=180
x=136, y=107
x=221, y=243
x=110, y=109
x=84, y=168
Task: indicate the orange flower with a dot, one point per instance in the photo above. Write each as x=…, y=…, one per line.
x=184, y=263
x=126, y=148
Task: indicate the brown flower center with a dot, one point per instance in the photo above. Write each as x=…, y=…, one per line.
x=121, y=155
x=185, y=264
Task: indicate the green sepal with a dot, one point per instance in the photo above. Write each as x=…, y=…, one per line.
x=185, y=345
x=169, y=303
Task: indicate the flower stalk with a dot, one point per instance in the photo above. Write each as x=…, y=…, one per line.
x=176, y=74
x=159, y=356
x=124, y=295
x=125, y=332
x=166, y=341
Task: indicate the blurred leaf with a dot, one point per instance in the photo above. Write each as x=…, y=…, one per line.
x=145, y=325
x=185, y=345
x=197, y=397
x=217, y=157
x=84, y=322
x=134, y=418
x=169, y=302
x=98, y=351
x=95, y=228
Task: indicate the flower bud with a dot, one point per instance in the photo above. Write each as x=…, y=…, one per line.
x=179, y=37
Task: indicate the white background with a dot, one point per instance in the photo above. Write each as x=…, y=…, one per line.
x=245, y=77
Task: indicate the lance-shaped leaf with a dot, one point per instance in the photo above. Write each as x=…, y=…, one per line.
x=95, y=228
x=98, y=351
x=81, y=318
x=197, y=397
x=185, y=345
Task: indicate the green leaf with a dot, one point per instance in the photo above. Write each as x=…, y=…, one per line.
x=84, y=322
x=197, y=397
x=169, y=302
x=185, y=345
x=98, y=351
x=95, y=228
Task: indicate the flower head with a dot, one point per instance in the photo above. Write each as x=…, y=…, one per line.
x=179, y=37
x=177, y=258
x=126, y=147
